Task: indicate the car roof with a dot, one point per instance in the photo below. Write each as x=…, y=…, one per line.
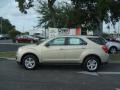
x=80, y=36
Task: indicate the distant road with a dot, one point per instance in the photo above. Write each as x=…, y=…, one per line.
x=9, y=47
x=6, y=41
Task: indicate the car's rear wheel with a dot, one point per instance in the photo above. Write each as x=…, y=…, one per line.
x=30, y=62
x=113, y=50
x=91, y=64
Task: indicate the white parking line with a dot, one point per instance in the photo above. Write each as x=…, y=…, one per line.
x=99, y=73
x=108, y=73
x=89, y=73
x=117, y=88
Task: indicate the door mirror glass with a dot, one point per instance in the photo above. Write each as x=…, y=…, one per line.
x=47, y=44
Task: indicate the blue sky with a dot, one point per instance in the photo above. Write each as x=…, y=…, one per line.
x=9, y=10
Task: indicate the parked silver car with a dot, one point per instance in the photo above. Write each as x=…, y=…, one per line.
x=65, y=49
x=113, y=46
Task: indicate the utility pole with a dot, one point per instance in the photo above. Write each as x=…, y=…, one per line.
x=23, y=30
x=118, y=28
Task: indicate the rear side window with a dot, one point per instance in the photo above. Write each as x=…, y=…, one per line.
x=98, y=40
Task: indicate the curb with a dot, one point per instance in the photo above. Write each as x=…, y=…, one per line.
x=8, y=58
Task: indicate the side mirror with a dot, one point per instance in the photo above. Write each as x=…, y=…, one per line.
x=84, y=43
x=47, y=44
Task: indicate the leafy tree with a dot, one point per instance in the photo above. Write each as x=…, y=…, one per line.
x=61, y=17
x=26, y=4
x=26, y=33
x=88, y=14
x=91, y=13
x=5, y=25
x=13, y=33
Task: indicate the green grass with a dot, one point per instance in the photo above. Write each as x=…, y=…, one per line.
x=8, y=54
x=115, y=57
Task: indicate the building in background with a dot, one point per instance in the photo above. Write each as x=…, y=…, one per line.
x=54, y=32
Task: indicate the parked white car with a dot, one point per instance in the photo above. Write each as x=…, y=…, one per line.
x=1, y=36
x=4, y=36
x=113, y=46
x=89, y=51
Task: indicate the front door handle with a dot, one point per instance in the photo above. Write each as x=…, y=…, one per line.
x=61, y=49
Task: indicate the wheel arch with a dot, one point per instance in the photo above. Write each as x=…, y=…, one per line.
x=114, y=47
x=29, y=54
x=91, y=55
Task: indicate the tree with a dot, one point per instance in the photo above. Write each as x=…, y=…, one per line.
x=91, y=13
x=61, y=19
x=88, y=14
x=5, y=25
x=26, y=4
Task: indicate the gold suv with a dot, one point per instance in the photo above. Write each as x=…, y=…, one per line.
x=90, y=51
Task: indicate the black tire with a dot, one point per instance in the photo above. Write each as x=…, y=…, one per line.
x=113, y=50
x=87, y=62
x=30, y=58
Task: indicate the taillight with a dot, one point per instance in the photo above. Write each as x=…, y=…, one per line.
x=105, y=49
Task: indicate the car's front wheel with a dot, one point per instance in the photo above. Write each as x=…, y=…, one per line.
x=30, y=62
x=91, y=64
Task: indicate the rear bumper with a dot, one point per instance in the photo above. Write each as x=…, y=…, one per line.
x=105, y=58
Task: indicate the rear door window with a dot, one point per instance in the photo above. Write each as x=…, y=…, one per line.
x=76, y=41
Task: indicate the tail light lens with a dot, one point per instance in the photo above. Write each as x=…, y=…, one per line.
x=105, y=49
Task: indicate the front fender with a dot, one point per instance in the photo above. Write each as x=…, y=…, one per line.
x=22, y=51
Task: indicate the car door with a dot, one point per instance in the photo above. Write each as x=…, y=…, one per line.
x=53, y=50
x=74, y=49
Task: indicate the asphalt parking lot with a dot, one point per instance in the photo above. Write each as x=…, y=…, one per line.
x=63, y=77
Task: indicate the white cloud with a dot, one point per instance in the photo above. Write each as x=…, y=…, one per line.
x=9, y=10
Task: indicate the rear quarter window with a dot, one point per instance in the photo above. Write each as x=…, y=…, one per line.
x=98, y=40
